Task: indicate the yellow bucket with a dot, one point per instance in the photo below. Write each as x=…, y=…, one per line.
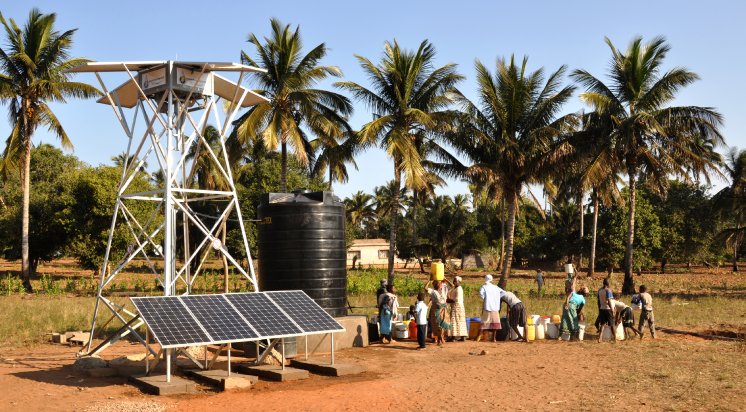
x=437, y=271
x=531, y=332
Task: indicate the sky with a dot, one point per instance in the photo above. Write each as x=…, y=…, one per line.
x=705, y=37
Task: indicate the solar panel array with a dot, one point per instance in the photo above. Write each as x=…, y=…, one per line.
x=233, y=317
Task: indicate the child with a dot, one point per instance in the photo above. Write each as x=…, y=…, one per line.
x=420, y=311
x=647, y=311
x=623, y=314
x=411, y=314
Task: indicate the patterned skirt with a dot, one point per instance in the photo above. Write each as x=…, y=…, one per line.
x=458, y=321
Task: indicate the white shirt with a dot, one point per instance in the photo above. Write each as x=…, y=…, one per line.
x=510, y=298
x=457, y=295
x=420, y=313
x=491, y=296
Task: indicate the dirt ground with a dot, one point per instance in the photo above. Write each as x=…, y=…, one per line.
x=672, y=373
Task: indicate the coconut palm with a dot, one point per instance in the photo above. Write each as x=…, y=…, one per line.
x=512, y=134
x=333, y=158
x=446, y=218
x=294, y=104
x=360, y=210
x=649, y=137
x=408, y=96
x=730, y=202
x=33, y=72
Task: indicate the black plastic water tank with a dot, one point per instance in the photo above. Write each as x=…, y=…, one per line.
x=302, y=246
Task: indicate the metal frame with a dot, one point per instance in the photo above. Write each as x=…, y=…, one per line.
x=173, y=123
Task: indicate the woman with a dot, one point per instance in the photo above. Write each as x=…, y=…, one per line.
x=458, y=313
x=388, y=306
x=572, y=312
x=438, y=311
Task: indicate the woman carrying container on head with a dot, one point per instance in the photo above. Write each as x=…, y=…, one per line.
x=388, y=306
x=458, y=313
x=439, y=316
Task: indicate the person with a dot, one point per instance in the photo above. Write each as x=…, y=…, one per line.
x=439, y=319
x=516, y=313
x=490, y=295
x=381, y=289
x=458, y=313
x=605, y=310
x=388, y=306
x=625, y=316
x=411, y=314
x=420, y=310
x=646, y=314
x=572, y=312
x=539, y=281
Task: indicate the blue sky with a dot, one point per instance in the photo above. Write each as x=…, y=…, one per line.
x=706, y=37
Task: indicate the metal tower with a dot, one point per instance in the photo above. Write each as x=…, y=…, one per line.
x=174, y=102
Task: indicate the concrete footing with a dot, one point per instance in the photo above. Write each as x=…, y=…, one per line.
x=157, y=384
x=323, y=367
x=220, y=379
x=273, y=372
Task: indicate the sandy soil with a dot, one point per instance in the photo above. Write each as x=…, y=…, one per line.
x=672, y=373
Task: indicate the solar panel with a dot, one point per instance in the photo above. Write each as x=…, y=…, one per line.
x=170, y=321
x=219, y=318
x=304, y=311
x=266, y=318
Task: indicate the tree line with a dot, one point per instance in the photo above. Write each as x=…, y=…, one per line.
x=630, y=149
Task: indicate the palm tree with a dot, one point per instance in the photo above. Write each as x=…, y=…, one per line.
x=333, y=158
x=360, y=210
x=295, y=105
x=33, y=72
x=647, y=136
x=447, y=220
x=408, y=96
x=731, y=202
x=512, y=135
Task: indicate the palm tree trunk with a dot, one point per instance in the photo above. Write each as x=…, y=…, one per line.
x=331, y=176
x=629, y=282
x=582, y=223
x=502, y=235
x=735, y=256
x=394, y=221
x=512, y=195
x=26, y=187
x=284, y=168
x=592, y=262
x=415, y=234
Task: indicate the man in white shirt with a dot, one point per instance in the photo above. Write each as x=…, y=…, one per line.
x=516, y=313
x=490, y=295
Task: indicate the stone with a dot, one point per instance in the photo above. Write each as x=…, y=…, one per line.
x=89, y=362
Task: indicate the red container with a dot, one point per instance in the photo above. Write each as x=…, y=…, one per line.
x=412, y=329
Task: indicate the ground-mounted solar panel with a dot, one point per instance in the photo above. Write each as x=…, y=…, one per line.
x=219, y=318
x=311, y=317
x=170, y=321
x=263, y=314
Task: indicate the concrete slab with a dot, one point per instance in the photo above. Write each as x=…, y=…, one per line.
x=322, y=367
x=157, y=384
x=273, y=372
x=220, y=379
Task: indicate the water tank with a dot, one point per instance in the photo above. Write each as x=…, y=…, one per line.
x=302, y=246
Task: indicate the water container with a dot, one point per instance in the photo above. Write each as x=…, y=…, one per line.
x=514, y=336
x=620, y=332
x=581, y=330
x=437, y=271
x=565, y=336
x=301, y=239
x=502, y=334
x=552, y=330
x=556, y=319
x=412, y=329
x=530, y=332
x=569, y=268
x=401, y=331
x=475, y=329
x=540, y=331
x=535, y=319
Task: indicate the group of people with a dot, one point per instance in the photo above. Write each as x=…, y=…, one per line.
x=445, y=317
x=611, y=311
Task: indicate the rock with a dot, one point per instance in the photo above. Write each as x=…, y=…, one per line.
x=483, y=352
x=89, y=362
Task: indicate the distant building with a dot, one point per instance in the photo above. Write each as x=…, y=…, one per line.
x=370, y=253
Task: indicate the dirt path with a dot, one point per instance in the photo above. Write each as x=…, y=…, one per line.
x=672, y=373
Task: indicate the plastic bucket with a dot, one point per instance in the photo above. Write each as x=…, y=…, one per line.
x=565, y=336
x=514, y=336
x=581, y=331
x=474, y=330
x=552, y=331
x=569, y=268
x=556, y=319
x=401, y=331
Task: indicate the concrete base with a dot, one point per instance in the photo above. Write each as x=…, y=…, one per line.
x=220, y=379
x=273, y=372
x=323, y=367
x=354, y=336
x=157, y=385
